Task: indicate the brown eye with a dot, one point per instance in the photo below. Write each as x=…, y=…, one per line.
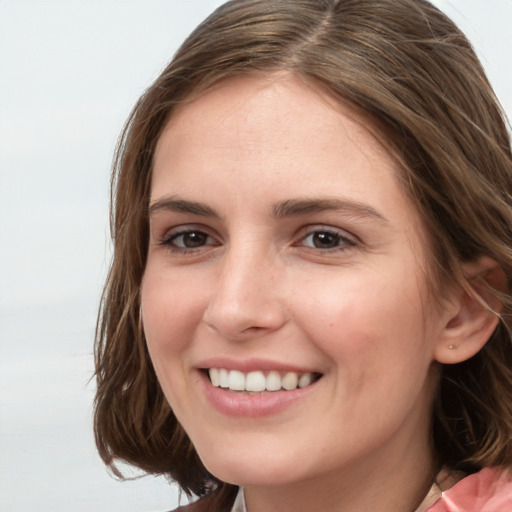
x=190, y=240
x=325, y=239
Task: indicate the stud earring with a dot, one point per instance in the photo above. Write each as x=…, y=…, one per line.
x=453, y=346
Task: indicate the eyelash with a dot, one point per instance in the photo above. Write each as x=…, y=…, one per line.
x=169, y=240
x=343, y=241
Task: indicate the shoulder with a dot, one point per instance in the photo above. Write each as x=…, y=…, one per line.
x=489, y=490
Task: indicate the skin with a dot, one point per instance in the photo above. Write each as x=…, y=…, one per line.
x=257, y=285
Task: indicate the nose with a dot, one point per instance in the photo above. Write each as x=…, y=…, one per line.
x=246, y=299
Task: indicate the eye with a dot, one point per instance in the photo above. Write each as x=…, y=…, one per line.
x=327, y=239
x=188, y=240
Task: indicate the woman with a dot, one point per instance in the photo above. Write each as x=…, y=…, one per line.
x=309, y=301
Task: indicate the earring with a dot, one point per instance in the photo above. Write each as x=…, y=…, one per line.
x=453, y=346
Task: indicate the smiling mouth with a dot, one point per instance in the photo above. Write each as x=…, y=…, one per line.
x=259, y=381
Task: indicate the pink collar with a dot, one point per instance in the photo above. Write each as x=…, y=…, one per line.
x=489, y=490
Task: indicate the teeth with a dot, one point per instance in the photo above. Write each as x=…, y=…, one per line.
x=273, y=381
x=214, y=377
x=290, y=381
x=236, y=380
x=257, y=382
x=305, y=380
x=223, y=379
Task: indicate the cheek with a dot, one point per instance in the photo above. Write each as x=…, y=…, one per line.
x=373, y=333
x=371, y=321
x=171, y=310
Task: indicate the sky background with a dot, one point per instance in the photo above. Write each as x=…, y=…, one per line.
x=70, y=72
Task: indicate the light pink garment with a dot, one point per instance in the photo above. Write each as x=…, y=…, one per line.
x=489, y=490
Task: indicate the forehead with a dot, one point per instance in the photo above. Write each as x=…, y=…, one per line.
x=274, y=121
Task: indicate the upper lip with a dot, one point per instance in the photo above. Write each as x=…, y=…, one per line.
x=252, y=364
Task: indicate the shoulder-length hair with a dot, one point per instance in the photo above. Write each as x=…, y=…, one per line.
x=414, y=76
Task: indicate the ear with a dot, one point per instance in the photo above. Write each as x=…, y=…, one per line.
x=473, y=313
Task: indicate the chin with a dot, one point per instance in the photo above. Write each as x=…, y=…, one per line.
x=251, y=468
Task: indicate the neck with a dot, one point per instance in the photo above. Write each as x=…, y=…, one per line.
x=387, y=484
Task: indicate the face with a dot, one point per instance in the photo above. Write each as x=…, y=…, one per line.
x=284, y=299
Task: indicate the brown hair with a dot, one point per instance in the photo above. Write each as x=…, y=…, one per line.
x=414, y=75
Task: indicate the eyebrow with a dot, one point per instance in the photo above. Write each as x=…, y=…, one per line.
x=282, y=209
x=176, y=204
x=296, y=207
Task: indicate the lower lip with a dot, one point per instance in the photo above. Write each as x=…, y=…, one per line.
x=237, y=404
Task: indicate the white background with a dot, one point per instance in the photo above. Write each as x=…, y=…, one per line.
x=70, y=71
